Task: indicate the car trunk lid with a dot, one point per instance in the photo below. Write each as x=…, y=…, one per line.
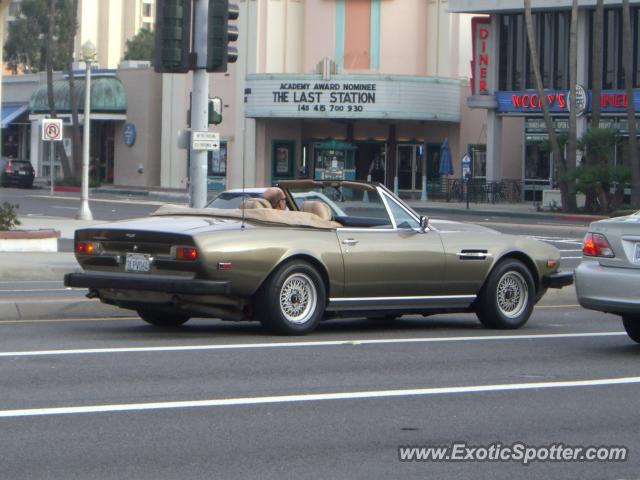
x=623, y=235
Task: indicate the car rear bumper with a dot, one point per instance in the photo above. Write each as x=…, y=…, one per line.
x=557, y=280
x=147, y=283
x=606, y=289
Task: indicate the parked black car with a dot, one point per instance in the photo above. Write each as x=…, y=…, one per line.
x=16, y=172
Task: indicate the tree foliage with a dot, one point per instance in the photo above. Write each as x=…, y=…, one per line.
x=601, y=181
x=25, y=46
x=140, y=47
x=8, y=216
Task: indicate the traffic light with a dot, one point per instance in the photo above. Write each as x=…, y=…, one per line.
x=172, y=36
x=220, y=33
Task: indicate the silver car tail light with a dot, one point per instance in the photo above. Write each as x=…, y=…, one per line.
x=596, y=245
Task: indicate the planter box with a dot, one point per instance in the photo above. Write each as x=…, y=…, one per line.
x=551, y=199
x=45, y=240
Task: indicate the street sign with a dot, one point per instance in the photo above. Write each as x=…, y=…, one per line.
x=205, y=140
x=52, y=130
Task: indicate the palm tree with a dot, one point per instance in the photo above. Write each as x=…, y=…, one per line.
x=596, y=55
x=627, y=49
x=570, y=161
x=62, y=154
x=553, y=138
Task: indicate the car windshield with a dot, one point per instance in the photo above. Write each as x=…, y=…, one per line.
x=351, y=206
x=231, y=199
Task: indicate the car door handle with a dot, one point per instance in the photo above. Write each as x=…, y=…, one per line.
x=350, y=242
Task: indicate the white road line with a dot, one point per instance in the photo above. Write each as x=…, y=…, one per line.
x=24, y=290
x=329, y=343
x=225, y=402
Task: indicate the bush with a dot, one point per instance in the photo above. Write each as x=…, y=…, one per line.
x=8, y=216
x=77, y=182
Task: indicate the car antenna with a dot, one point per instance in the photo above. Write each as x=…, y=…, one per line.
x=243, y=204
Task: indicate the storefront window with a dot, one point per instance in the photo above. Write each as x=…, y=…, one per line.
x=217, y=161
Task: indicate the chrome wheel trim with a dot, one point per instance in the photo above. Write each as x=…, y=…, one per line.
x=512, y=294
x=298, y=298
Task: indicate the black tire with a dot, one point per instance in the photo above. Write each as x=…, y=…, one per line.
x=162, y=319
x=632, y=326
x=292, y=300
x=506, y=299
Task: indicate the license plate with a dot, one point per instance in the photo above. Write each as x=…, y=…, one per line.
x=22, y=173
x=137, y=262
x=636, y=254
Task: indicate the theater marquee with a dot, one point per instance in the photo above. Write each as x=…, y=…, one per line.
x=355, y=97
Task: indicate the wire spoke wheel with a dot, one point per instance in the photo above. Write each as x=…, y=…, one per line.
x=298, y=298
x=506, y=299
x=512, y=294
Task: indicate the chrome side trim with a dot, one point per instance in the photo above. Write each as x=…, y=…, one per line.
x=474, y=255
x=409, y=303
x=391, y=299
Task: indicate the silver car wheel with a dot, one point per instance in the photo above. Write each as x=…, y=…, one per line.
x=512, y=294
x=298, y=298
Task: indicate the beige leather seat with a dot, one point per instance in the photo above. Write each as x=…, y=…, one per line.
x=253, y=203
x=321, y=209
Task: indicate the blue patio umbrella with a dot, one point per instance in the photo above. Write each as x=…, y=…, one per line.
x=446, y=166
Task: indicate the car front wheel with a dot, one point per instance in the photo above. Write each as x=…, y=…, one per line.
x=507, y=297
x=632, y=326
x=292, y=299
x=162, y=319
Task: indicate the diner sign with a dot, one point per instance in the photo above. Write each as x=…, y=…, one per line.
x=308, y=96
x=482, y=58
x=529, y=102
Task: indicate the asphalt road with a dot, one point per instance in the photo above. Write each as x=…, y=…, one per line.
x=268, y=408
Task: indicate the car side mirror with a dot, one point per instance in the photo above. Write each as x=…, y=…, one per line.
x=424, y=223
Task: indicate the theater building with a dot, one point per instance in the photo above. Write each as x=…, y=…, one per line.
x=338, y=89
x=504, y=84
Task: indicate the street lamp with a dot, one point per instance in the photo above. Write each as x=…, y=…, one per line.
x=88, y=55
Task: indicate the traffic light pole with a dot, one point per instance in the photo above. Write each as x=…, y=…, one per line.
x=199, y=106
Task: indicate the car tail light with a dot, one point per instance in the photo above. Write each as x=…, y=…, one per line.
x=596, y=245
x=87, y=248
x=8, y=167
x=186, y=253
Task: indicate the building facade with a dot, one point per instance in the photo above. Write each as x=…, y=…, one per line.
x=335, y=89
x=508, y=95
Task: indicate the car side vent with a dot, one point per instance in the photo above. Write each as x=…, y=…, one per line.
x=473, y=254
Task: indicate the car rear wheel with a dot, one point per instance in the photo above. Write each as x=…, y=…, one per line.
x=292, y=299
x=632, y=326
x=507, y=297
x=162, y=319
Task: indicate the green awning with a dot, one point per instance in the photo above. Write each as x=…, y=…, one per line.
x=108, y=95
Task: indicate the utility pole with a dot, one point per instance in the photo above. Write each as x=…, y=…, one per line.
x=199, y=106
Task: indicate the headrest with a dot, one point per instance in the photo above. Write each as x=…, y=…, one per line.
x=251, y=203
x=318, y=208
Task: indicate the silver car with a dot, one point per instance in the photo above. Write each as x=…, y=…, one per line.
x=608, y=278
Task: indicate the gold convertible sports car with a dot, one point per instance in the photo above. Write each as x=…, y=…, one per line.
x=340, y=249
